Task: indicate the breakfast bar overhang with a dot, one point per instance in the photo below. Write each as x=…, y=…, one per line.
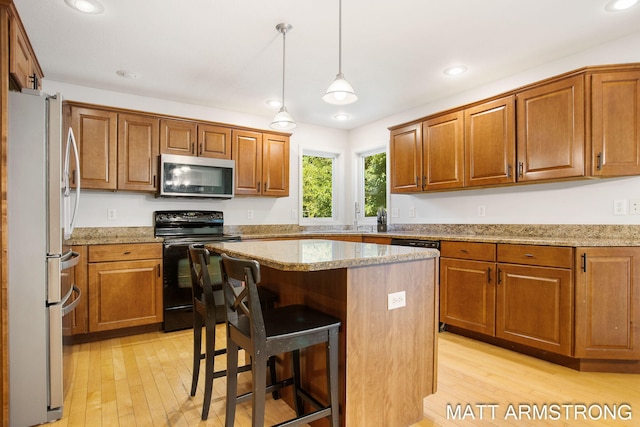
x=387, y=356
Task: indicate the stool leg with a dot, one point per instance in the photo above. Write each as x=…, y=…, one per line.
x=232, y=382
x=197, y=350
x=210, y=349
x=332, y=377
x=259, y=372
x=298, y=403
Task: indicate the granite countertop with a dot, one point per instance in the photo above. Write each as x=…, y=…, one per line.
x=112, y=235
x=320, y=254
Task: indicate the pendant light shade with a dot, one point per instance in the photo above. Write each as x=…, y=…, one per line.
x=283, y=120
x=340, y=92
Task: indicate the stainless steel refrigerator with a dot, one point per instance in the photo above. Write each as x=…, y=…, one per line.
x=38, y=199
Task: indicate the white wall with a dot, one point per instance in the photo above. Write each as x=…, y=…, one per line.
x=577, y=202
x=135, y=209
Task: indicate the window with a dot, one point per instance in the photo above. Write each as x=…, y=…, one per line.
x=318, y=185
x=372, y=179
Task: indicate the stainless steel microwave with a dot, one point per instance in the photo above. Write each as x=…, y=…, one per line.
x=188, y=176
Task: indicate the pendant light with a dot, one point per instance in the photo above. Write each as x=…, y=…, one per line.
x=283, y=120
x=340, y=92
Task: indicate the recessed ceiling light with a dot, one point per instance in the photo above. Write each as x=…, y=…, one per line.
x=342, y=117
x=128, y=74
x=618, y=5
x=456, y=70
x=86, y=6
x=275, y=103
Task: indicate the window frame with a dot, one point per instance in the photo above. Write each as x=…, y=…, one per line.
x=336, y=191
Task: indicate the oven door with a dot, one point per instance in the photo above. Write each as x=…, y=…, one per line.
x=178, y=297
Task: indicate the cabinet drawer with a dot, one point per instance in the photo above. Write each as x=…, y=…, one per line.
x=125, y=252
x=549, y=256
x=468, y=250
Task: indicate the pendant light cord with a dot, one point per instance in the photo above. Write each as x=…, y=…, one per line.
x=340, y=36
x=284, y=40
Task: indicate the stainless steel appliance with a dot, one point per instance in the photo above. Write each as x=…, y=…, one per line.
x=37, y=202
x=190, y=176
x=416, y=243
x=179, y=230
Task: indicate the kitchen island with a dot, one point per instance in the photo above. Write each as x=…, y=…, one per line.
x=387, y=357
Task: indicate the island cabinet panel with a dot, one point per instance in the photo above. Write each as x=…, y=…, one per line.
x=608, y=303
x=443, y=152
x=551, y=130
x=490, y=143
x=137, y=152
x=405, y=149
x=125, y=286
x=96, y=133
x=615, y=123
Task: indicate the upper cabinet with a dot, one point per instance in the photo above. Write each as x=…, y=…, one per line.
x=615, y=123
x=551, y=127
x=580, y=124
x=189, y=138
x=262, y=163
x=23, y=64
x=137, y=152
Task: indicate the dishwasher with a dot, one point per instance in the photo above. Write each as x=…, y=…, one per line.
x=417, y=243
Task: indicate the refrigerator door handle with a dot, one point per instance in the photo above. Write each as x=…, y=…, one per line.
x=69, y=224
x=66, y=309
x=68, y=260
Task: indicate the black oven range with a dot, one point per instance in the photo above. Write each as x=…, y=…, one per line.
x=179, y=229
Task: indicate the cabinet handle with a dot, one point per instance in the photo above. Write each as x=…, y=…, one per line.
x=520, y=169
x=499, y=276
x=259, y=186
x=489, y=275
x=529, y=255
x=154, y=181
x=508, y=171
x=73, y=177
x=464, y=251
x=584, y=262
x=201, y=148
x=193, y=151
x=417, y=181
x=599, y=162
x=127, y=253
x=158, y=269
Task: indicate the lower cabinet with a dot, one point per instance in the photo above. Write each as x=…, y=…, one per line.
x=125, y=285
x=607, y=303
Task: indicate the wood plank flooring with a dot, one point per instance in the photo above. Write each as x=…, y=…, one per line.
x=145, y=380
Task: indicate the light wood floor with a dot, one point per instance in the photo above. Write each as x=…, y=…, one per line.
x=145, y=380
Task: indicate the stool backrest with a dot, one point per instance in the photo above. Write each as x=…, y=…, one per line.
x=201, y=286
x=239, y=283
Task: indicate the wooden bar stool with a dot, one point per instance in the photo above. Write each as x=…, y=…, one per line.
x=285, y=329
x=204, y=315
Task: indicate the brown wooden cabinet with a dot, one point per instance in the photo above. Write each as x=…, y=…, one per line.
x=262, y=163
x=443, y=152
x=405, y=157
x=96, y=133
x=607, y=298
x=551, y=130
x=24, y=68
x=125, y=285
x=534, y=298
x=190, y=138
x=468, y=285
x=137, y=152
x=615, y=123
x=490, y=143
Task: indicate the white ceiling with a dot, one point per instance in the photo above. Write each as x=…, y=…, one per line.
x=227, y=53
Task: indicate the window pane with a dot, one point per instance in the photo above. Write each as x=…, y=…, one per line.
x=317, y=187
x=375, y=183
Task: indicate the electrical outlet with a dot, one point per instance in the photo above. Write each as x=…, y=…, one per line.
x=396, y=300
x=482, y=210
x=412, y=212
x=249, y=213
x=634, y=207
x=394, y=213
x=620, y=207
x=111, y=214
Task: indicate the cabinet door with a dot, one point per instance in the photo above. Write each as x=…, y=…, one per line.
x=275, y=165
x=124, y=294
x=405, y=154
x=551, y=126
x=615, y=123
x=177, y=137
x=247, y=152
x=137, y=152
x=534, y=307
x=97, y=138
x=20, y=60
x=214, y=141
x=443, y=152
x=607, y=303
x=467, y=294
x=490, y=143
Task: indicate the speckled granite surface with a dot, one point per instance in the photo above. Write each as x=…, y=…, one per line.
x=319, y=254
x=531, y=234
